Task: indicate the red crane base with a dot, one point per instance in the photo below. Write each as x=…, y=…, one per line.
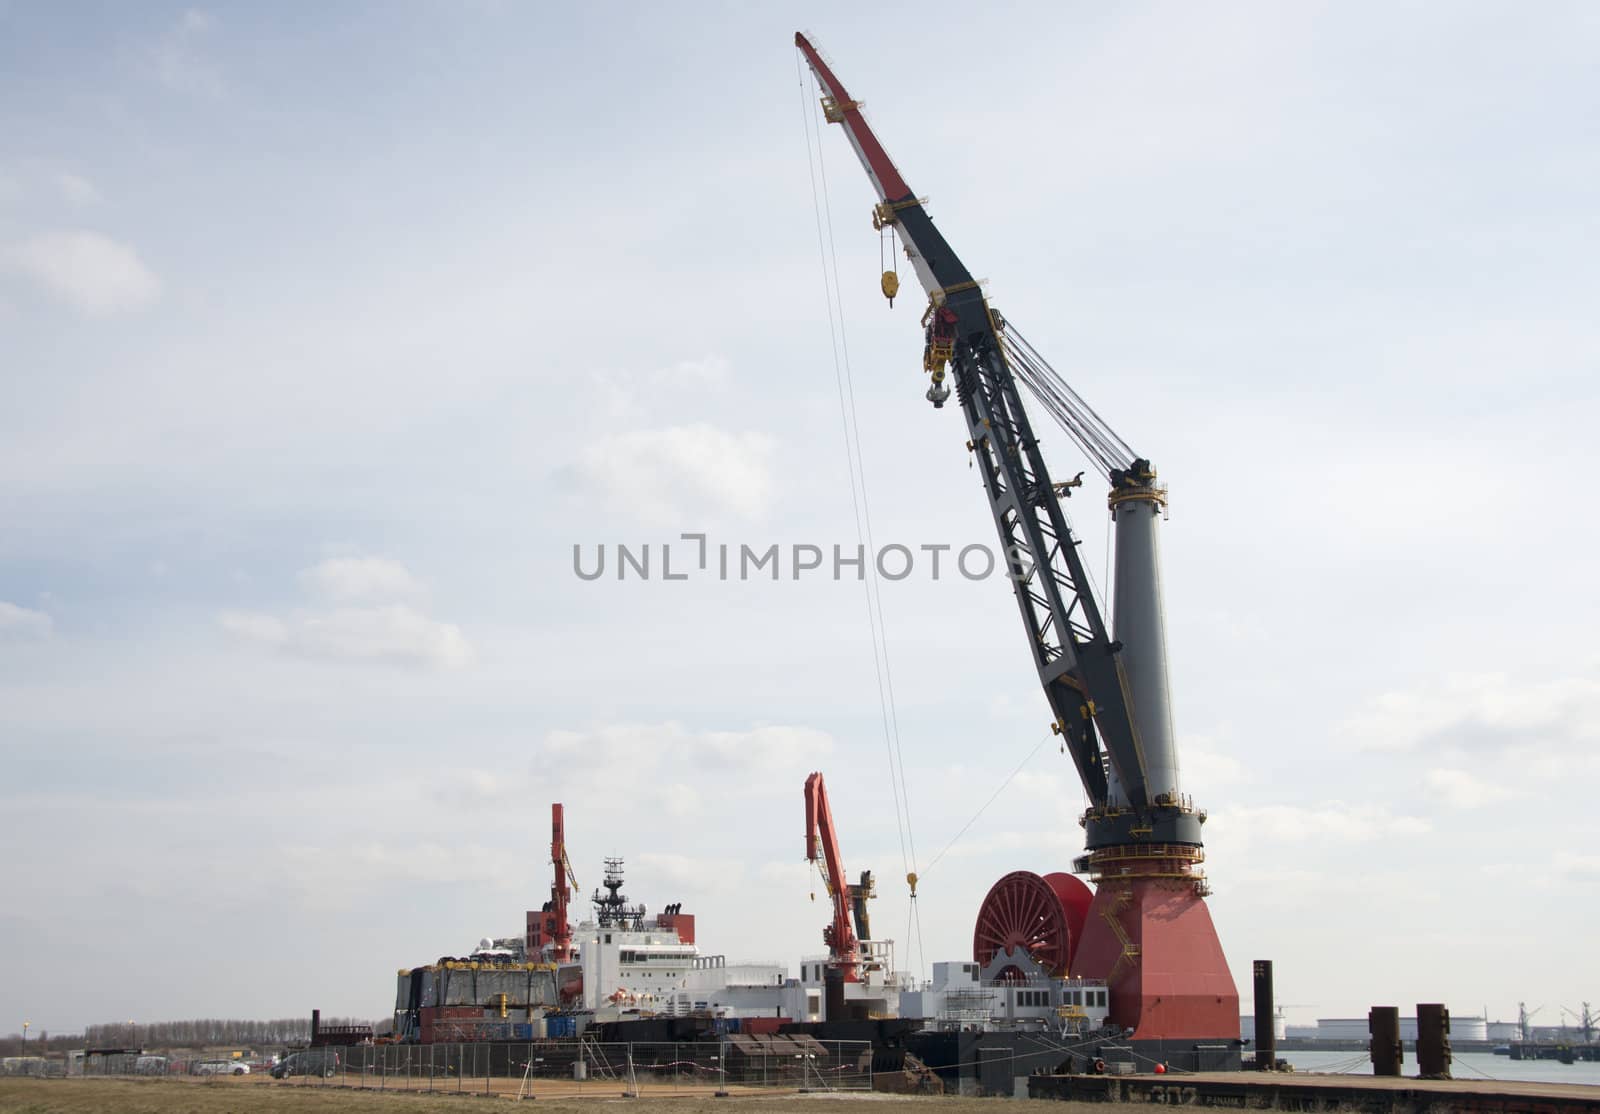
x=1169, y=979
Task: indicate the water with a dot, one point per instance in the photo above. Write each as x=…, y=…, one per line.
x=1463, y=1065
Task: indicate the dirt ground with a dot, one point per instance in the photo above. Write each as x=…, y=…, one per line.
x=246, y=1096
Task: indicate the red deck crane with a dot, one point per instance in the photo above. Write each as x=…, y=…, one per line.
x=822, y=848
x=549, y=927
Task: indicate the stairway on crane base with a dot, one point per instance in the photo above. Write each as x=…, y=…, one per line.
x=1152, y=940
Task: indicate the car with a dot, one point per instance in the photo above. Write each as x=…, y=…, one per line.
x=308, y=1061
x=219, y=1067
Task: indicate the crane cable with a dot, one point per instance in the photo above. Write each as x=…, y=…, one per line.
x=1070, y=410
x=816, y=166
x=933, y=862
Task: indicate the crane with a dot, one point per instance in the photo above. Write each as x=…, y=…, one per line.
x=1084, y=672
x=549, y=927
x=1107, y=690
x=822, y=849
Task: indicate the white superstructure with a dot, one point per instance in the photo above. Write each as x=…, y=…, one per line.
x=958, y=997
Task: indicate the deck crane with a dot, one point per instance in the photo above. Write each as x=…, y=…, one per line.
x=1148, y=930
x=822, y=849
x=549, y=928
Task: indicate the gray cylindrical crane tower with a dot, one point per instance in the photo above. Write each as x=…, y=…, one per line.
x=1140, y=625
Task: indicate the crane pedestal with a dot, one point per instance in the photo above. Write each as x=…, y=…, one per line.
x=1153, y=942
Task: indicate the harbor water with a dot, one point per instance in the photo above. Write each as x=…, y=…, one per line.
x=1464, y=1065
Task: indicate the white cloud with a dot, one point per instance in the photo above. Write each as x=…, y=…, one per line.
x=789, y=875
x=680, y=473
x=393, y=633
x=331, y=878
x=1325, y=823
x=382, y=632
x=1461, y=789
x=360, y=578
x=1206, y=771
x=76, y=189
x=1484, y=712
x=638, y=745
x=175, y=58
x=692, y=872
x=706, y=371
x=94, y=274
x=627, y=396
x=682, y=802
x=24, y=622
x=255, y=626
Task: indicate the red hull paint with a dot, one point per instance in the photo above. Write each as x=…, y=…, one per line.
x=1179, y=986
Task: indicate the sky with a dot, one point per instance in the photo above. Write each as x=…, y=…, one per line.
x=326, y=335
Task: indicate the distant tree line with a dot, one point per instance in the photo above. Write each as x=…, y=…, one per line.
x=39, y=1042
x=206, y=1032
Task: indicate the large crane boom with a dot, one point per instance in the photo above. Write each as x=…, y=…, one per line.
x=1147, y=930
x=822, y=848
x=1080, y=667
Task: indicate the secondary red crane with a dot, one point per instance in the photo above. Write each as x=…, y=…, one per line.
x=560, y=891
x=548, y=928
x=822, y=848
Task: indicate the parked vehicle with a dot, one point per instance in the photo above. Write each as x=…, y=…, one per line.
x=219, y=1067
x=308, y=1061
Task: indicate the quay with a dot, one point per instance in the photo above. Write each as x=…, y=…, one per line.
x=1308, y=1091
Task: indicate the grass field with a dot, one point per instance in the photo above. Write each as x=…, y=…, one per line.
x=229, y=1096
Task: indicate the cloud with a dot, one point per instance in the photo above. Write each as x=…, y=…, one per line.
x=1208, y=770
x=255, y=626
x=680, y=473
x=360, y=578
x=1490, y=712
x=335, y=878
x=95, y=275
x=79, y=191
x=706, y=372
x=1326, y=823
x=175, y=58
x=635, y=745
x=472, y=789
x=791, y=874
x=1578, y=868
x=682, y=802
x=691, y=872
x=24, y=622
x=626, y=396
x=1461, y=789
x=392, y=632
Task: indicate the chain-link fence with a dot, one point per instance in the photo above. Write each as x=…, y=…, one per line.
x=565, y=1068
